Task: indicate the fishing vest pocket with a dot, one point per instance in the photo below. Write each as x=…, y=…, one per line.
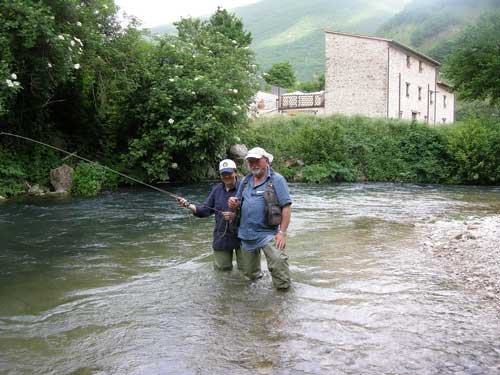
x=273, y=210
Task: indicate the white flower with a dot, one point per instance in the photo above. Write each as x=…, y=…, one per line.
x=234, y=41
x=105, y=6
x=171, y=79
x=174, y=166
x=72, y=43
x=235, y=91
x=96, y=11
x=265, y=74
x=71, y=49
x=76, y=66
x=52, y=17
x=197, y=78
x=79, y=24
x=234, y=113
x=16, y=84
x=194, y=56
x=78, y=40
x=49, y=65
x=9, y=83
x=171, y=121
x=193, y=93
x=61, y=37
x=13, y=76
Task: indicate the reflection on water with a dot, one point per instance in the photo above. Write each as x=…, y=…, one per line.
x=124, y=284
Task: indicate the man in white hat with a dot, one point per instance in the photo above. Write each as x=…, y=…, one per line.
x=258, y=231
x=225, y=240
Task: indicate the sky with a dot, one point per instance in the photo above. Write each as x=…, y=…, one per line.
x=159, y=12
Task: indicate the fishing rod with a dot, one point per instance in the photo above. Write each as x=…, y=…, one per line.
x=102, y=166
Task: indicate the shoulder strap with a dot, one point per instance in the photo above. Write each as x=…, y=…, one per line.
x=271, y=180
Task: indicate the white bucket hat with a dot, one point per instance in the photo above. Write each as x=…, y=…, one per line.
x=227, y=165
x=258, y=152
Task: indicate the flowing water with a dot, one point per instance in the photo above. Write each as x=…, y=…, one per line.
x=124, y=284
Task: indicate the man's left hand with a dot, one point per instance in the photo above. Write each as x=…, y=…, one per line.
x=280, y=241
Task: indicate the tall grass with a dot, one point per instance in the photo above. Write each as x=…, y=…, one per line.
x=339, y=148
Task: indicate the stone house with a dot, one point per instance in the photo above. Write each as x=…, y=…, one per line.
x=380, y=77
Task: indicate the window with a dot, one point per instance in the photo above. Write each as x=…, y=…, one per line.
x=444, y=120
x=444, y=101
x=414, y=116
x=420, y=67
x=407, y=89
x=419, y=93
x=408, y=61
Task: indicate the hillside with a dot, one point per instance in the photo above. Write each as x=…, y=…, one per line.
x=294, y=30
x=430, y=25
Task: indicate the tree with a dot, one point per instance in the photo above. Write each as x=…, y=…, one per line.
x=280, y=74
x=474, y=64
x=66, y=71
x=316, y=84
x=197, y=92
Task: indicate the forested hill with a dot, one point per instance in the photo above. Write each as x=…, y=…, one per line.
x=430, y=25
x=294, y=30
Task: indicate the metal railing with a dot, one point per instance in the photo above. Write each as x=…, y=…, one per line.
x=301, y=101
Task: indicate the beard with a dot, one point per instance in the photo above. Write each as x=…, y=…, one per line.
x=258, y=172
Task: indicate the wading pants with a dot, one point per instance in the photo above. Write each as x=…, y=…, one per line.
x=277, y=263
x=223, y=259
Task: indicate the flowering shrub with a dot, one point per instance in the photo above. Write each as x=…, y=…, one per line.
x=197, y=92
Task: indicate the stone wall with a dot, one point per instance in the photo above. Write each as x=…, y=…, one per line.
x=377, y=77
x=355, y=75
x=419, y=75
x=445, y=114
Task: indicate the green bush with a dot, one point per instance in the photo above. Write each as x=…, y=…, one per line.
x=12, y=175
x=340, y=148
x=328, y=172
x=474, y=146
x=21, y=165
x=88, y=179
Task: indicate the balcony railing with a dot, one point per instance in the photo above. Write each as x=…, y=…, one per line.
x=301, y=101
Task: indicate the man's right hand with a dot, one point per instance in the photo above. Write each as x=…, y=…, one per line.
x=233, y=203
x=183, y=202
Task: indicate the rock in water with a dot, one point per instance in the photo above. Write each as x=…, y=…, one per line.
x=61, y=178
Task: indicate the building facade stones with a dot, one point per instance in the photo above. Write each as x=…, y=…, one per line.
x=379, y=77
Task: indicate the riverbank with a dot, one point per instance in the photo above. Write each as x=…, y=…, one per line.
x=469, y=250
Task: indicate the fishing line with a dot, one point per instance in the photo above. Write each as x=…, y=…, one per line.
x=102, y=166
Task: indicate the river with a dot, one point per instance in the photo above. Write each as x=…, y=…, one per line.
x=124, y=284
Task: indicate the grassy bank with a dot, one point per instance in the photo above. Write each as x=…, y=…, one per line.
x=313, y=149
x=338, y=148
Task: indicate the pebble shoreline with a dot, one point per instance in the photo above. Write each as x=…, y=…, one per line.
x=469, y=249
